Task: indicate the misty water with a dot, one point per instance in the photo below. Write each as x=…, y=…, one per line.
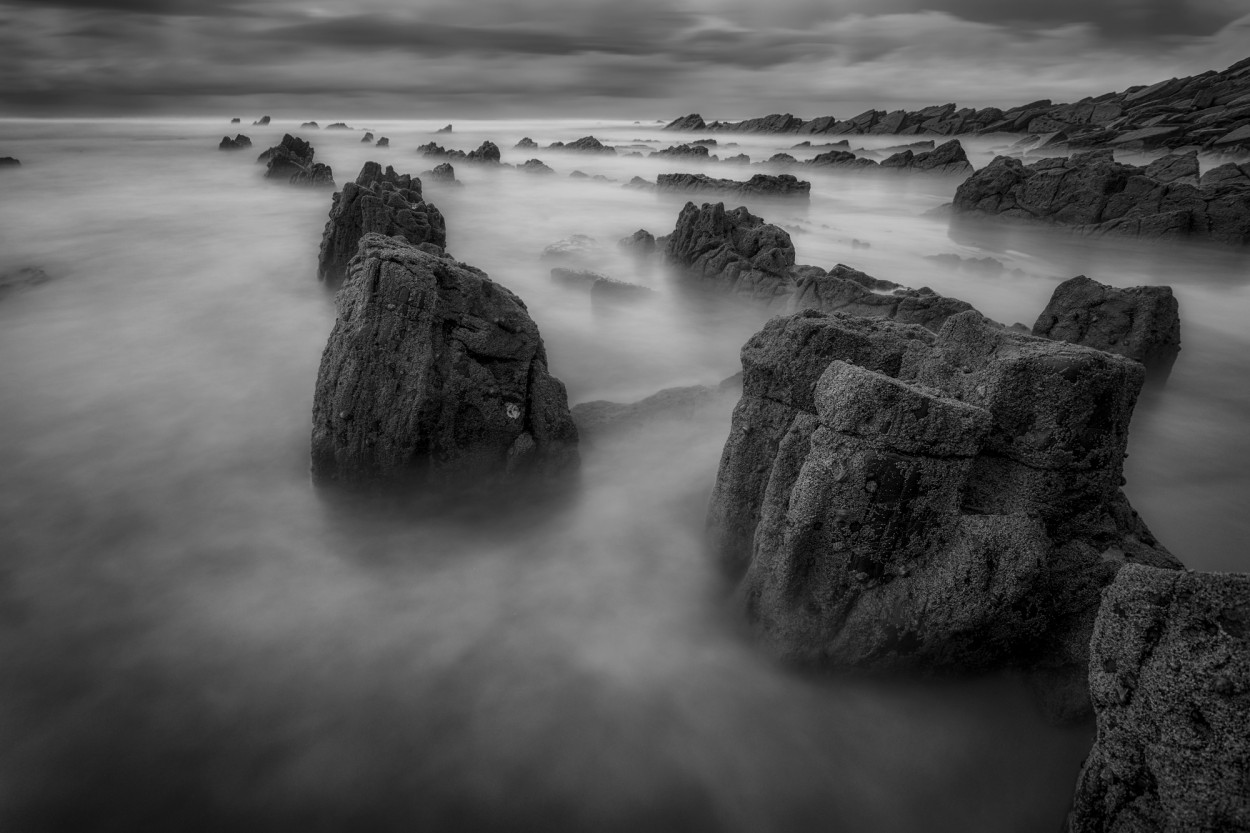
x=192, y=638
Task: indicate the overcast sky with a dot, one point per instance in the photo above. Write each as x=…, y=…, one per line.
x=629, y=59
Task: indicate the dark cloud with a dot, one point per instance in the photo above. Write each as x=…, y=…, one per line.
x=173, y=8
x=1114, y=19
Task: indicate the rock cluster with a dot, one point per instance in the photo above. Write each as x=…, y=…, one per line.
x=894, y=498
x=237, y=143
x=526, y=143
x=1141, y=322
x=292, y=161
x=1209, y=111
x=436, y=377
x=486, y=152
x=535, y=166
x=760, y=185
x=1093, y=194
x=681, y=152
x=381, y=202
x=1170, y=679
x=263, y=121
x=310, y=125
x=586, y=144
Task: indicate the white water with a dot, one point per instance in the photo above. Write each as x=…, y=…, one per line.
x=192, y=640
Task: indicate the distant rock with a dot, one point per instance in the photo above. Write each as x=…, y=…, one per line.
x=338, y=125
x=435, y=377
x=536, y=166
x=840, y=159
x=1169, y=675
x=894, y=498
x=687, y=124
x=445, y=129
x=239, y=142
x=378, y=202
x=443, y=173
x=640, y=244
x=292, y=161
x=383, y=142
x=579, y=248
x=235, y=120
x=526, y=144
x=1093, y=194
x=263, y=121
x=12, y=280
x=760, y=185
x=586, y=144
x=602, y=289
x=637, y=183
x=1141, y=322
x=10, y=162
x=310, y=125
x=948, y=159
x=601, y=418
x=984, y=265
x=681, y=152
x=578, y=175
x=432, y=149
x=317, y=175
x=487, y=153
x=739, y=159
x=368, y=137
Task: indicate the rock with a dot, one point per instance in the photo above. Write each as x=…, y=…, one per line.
x=487, y=153
x=840, y=159
x=580, y=248
x=263, y=121
x=1169, y=676
x=536, y=166
x=377, y=202
x=292, y=156
x=383, y=142
x=239, y=142
x=639, y=184
x=526, y=144
x=338, y=125
x=310, y=125
x=576, y=278
x=431, y=149
x=600, y=417
x=317, y=175
x=1141, y=322
x=589, y=144
x=687, y=124
x=446, y=129
x=10, y=162
x=948, y=159
x=1093, y=194
x=681, y=151
x=1175, y=167
x=235, y=120
x=732, y=250
x=739, y=159
x=851, y=291
x=611, y=292
x=435, y=377
x=368, y=137
x=760, y=185
x=640, y=244
x=893, y=498
x=442, y=172
x=12, y=280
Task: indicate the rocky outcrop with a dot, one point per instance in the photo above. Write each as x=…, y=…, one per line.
x=681, y=152
x=310, y=125
x=442, y=172
x=434, y=149
x=586, y=144
x=1169, y=675
x=1091, y=193
x=1140, y=322
x=263, y=121
x=535, y=166
x=948, y=159
x=847, y=290
x=435, y=377
x=378, y=202
x=292, y=161
x=368, y=137
x=526, y=143
x=760, y=185
x=383, y=142
x=239, y=142
x=444, y=129
x=841, y=159
x=640, y=244
x=895, y=498
x=9, y=162
x=487, y=152
x=338, y=125
x=687, y=124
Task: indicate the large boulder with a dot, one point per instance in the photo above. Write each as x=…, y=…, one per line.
x=687, y=124
x=381, y=202
x=292, y=161
x=239, y=142
x=894, y=498
x=760, y=185
x=848, y=290
x=1170, y=679
x=487, y=152
x=948, y=159
x=1140, y=322
x=733, y=250
x=435, y=377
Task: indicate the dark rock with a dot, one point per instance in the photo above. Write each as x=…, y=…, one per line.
x=839, y=159
x=850, y=291
x=435, y=376
x=1170, y=679
x=383, y=142
x=600, y=417
x=310, y=125
x=1141, y=322
x=262, y=121
x=368, y=137
x=639, y=184
x=709, y=142
x=316, y=175
x=235, y=120
x=732, y=250
x=1093, y=194
x=739, y=159
x=526, y=144
x=377, y=203
x=1175, y=167
x=760, y=185
x=292, y=161
x=948, y=159
x=338, y=125
x=487, y=153
x=687, y=124
x=432, y=149
x=443, y=173
x=239, y=142
x=536, y=166
x=681, y=151
x=894, y=498
x=580, y=248
x=445, y=129
x=23, y=278
x=780, y=159
x=640, y=244
x=588, y=144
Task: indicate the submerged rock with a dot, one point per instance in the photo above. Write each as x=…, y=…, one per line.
x=22, y=278
x=377, y=202
x=443, y=172
x=526, y=143
x=1140, y=322
x=239, y=142
x=435, y=376
x=1169, y=675
x=579, y=248
x=535, y=166
x=640, y=244
x=487, y=152
x=894, y=498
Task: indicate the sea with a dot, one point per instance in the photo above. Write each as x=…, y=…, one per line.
x=193, y=638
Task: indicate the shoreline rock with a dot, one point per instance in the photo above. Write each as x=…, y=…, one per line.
x=760, y=185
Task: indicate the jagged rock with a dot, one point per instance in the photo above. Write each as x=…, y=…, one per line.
x=442, y=172
x=22, y=278
x=445, y=129
x=1175, y=167
x=431, y=149
x=586, y=144
x=948, y=158
x=1093, y=194
x=262, y=121
x=580, y=248
x=681, y=151
x=338, y=125
x=686, y=124
x=383, y=142
x=435, y=376
x=739, y=159
x=368, y=137
x=760, y=185
x=839, y=159
x=1141, y=322
x=851, y=291
x=536, y=166
x=239, y=142
x=317, y=175
x=487, y=153
x=1169, y=676
x=377, y=202
x=292, y=156
x=640, y=244
x=732, y=250
x=894, y=498
x=639, y=184
x=526, y=144
x=310, y=125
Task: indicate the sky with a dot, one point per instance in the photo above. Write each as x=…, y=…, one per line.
x=632, y=59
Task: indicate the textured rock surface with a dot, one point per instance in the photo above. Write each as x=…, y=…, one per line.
x=381, y=202
x=239, y=142
x=1141, y=322
x=894, y=498
x=292, y=161
x=641, y=244
x=586, y=144
x=1170, y=679
x=948, y=159
x=1094, y=194
x=848, y=290
x=487, y=152
x=681, y=152
x=760, y=185
x=535, y=166
x=442, y=172
x=434, y=376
